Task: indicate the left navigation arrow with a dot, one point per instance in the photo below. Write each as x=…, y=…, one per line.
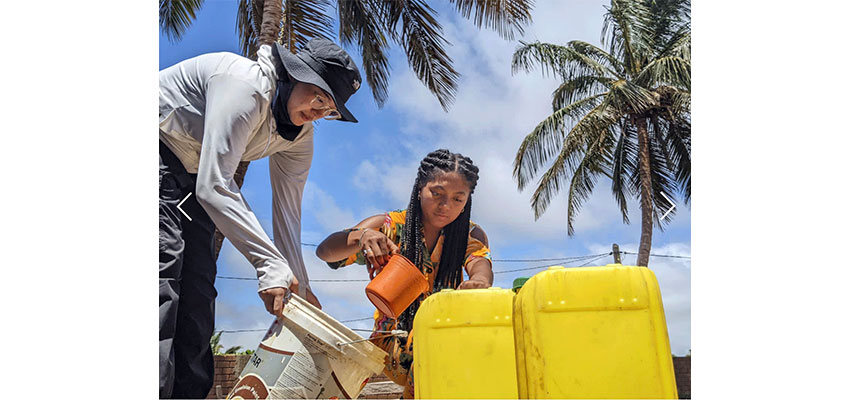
x=181, y=203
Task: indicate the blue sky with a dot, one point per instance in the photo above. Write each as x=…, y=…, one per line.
x=367, y=168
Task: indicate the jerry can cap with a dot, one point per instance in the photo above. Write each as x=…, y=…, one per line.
x=518, y=282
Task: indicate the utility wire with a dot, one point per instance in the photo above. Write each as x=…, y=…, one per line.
x=589, y=258
x=592, y=257
x=565, y=259
x=544, y=259
x=550, y=259
x=262, y=330
x=657, y=255
x=508, y=260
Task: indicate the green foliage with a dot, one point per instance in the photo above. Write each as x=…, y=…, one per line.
x=175, y=16
x=216, y=346
x=371, y=26
x=214, y=343
x=639, y=85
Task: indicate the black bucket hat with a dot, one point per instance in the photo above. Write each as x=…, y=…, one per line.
x=326, y=65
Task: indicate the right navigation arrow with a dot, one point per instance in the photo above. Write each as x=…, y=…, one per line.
x=671, y=208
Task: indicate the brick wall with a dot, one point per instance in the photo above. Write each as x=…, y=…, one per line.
x=228, y=368
x=682, y=366
x=381, y=387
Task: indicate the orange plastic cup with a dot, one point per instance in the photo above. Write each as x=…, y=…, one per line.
x=396, y=286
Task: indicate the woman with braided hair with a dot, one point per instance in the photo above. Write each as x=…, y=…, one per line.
x=434, y=232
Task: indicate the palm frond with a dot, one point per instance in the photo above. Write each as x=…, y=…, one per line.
x=594, y=125
x=232, y=350
x=680, y=103
x=304, y=20
x=584, y=173
x=595, y=161
x=361, y=23
x=423, y=42
x=629, y=98
x=175, y=16
x=547, y=137
x=249, y=15
x=561, y=61
x=627, y=30
x=662, y=180
x=672, y=71
x=677, y=139
x=614, y=66
x=668, y=18
x=552, y=58
x=679, y=45
x=623, y=159
x=578, y=88
x=506, y=17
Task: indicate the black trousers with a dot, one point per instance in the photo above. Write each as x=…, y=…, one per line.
x=186, y=284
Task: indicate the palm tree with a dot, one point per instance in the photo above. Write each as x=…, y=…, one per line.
x=623, y=113
x=369, y=25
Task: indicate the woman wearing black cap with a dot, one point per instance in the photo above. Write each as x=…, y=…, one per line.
x=216, y=110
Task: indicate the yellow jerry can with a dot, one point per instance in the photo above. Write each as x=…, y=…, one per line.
x=592, y=333
x=463, y=346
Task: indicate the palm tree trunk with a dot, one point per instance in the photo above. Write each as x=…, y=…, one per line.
x=646, y=211
x=270, y=28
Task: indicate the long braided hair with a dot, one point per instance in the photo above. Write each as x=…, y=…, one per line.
x=449, y=272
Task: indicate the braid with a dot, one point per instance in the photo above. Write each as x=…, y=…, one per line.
x=450, y=270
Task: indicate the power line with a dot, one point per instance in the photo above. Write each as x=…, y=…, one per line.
x=237, y=278
x=508, y=260
x=567, y=259
x=592, y=257
x=263, y=330
x=657, y=255
x=543, y=259
x=359, y=319
x=589, y=258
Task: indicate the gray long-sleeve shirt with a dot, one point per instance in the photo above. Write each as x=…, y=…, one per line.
x=214, y=111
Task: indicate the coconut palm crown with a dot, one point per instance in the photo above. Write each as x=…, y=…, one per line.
x=622, y=112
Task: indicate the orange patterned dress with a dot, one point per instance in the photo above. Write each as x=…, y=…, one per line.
x=399, y=364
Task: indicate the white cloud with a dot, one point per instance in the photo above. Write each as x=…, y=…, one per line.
x=366, y=176
x=325, y=209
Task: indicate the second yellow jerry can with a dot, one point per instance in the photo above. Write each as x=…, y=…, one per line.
x=463, y=346
x=592, y=333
